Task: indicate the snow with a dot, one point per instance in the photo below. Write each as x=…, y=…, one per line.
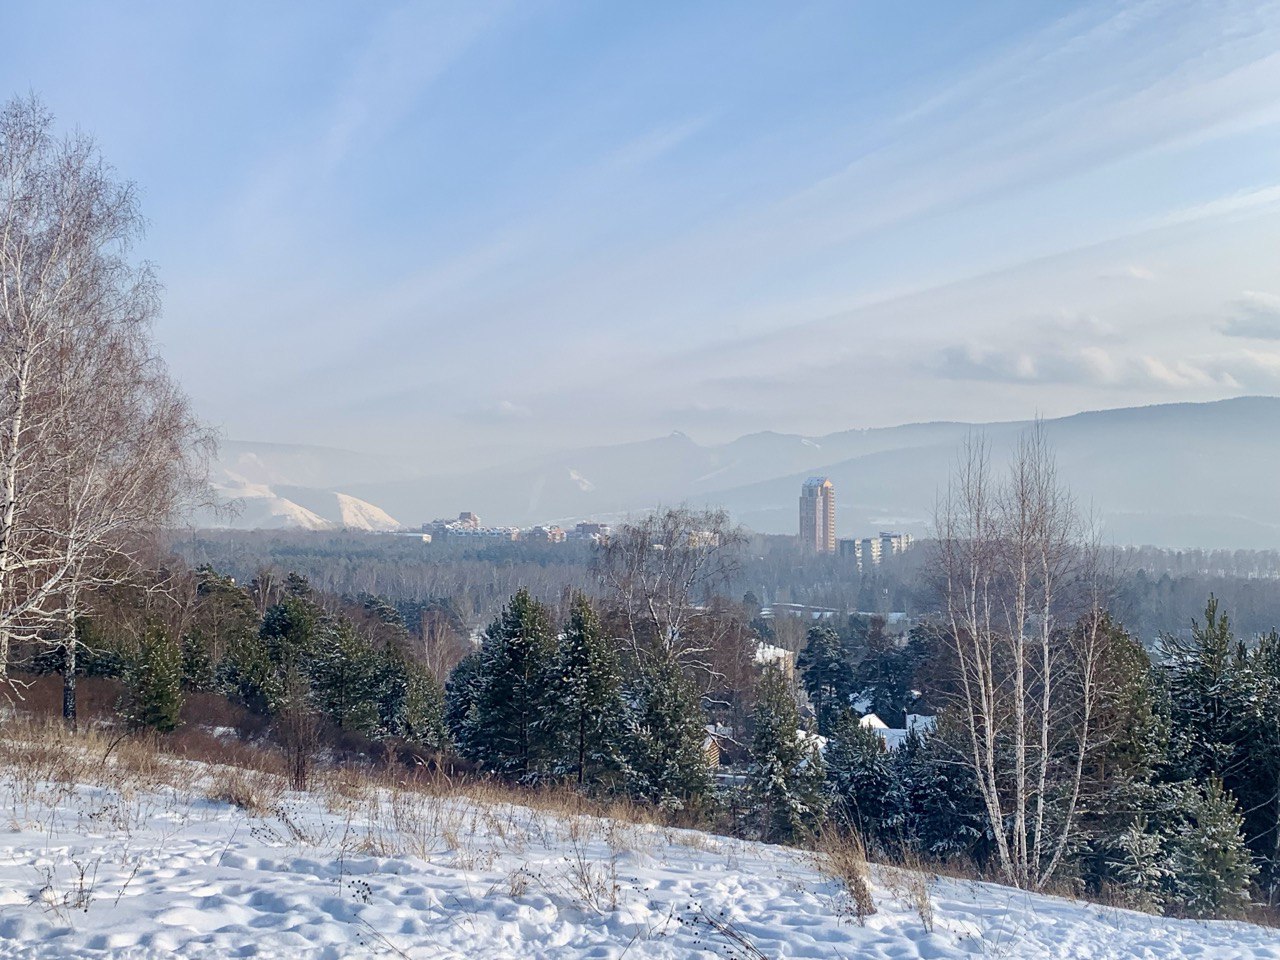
x=768, y=653
x=359, y=872
x=361, y=515
x=257, y=507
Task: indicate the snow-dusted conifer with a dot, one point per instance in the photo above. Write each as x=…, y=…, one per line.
x=505, y=730
x=666, y=762
x=1210, y=863
x=826, y=670
x=586, y=697
x=861, y=777
x=153, y=683
x=787, y=778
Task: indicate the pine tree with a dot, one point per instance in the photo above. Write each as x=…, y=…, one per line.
x=787, y=778
x=1210, y=863
x=343, y=670
x=826, y=668
x=461, y=691
x=223, y=618
x=421, y=718
x=666, y=762
x=586, y=696
x=153, y=683
x=505, y=731
x=1142, y=866
x=1131, y=729
x=197, y=664
x=861, y=778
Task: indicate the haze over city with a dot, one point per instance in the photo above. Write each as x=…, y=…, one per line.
x=467, y=233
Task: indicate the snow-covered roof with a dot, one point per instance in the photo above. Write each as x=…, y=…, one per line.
x=768, y=653
x=895, y=737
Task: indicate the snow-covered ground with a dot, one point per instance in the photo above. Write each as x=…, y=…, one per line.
x=155, y=870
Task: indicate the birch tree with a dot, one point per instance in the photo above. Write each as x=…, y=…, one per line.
x=1021, y=593
x=661, y=573
x=98, y=446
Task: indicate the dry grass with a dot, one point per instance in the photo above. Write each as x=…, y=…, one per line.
x=911, y=883
x=257, y=794
x=843, y=856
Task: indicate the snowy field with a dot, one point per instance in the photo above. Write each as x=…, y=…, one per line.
x=160, y=865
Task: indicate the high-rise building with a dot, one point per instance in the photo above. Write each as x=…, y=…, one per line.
x=818, y=515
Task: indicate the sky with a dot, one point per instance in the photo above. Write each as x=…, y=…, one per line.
x=470, y=232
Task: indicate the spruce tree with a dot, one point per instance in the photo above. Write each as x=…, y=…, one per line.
x=861, y=778
x=826, y=668
x=1142, y=866
x=586, y=696
x=666, y=762
x=505, y=731
x=936, y=807
x=787, y=778
x=1205, y=677
x=1258, y=776
x=420, y=720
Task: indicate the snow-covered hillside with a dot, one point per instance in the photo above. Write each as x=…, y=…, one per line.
x=160, y=864
x=359, y=515
x=253, y=505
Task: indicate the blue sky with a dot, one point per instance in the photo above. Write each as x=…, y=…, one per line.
x=477, y=231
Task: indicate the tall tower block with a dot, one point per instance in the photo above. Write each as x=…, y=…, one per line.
x=818, y=515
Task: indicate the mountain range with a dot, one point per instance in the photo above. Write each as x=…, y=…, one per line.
x=1178, y=475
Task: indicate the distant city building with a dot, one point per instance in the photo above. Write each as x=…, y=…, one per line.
x=818, y=515
x=894, y=543
x=592, y=531
x=544, y=535
x=871, y=550
x=468, y=525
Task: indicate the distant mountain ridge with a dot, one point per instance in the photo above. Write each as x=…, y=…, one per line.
x=1185, y=474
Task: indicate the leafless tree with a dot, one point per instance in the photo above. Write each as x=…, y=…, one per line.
x=1022, y=592
x=98, y=446
x=661, y=572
